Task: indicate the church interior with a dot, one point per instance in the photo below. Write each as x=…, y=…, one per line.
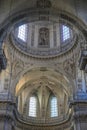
x=43, y=65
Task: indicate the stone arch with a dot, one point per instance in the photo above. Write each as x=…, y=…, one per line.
x=46, y=80
x=47, y=76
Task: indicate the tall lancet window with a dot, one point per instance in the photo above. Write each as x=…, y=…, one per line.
x=32, y=106
x=22, y=32
x=54, y=107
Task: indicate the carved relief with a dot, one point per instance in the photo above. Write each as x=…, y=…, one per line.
x=44, y=37
x=43, y=3
x=70, y=67
x=18, y=67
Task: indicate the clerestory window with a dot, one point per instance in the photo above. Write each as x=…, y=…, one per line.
x=22, y=32
x=32, y=106
x=54, y=107
x=65, y=33
x=43, y=37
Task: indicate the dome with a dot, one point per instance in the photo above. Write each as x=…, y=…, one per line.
x=44, y=38
x=43, y=65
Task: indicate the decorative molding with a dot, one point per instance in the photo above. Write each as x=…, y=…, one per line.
x=70, y=67
x=44, y=54
x=18, y=67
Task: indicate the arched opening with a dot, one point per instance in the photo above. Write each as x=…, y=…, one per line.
x=43, y=97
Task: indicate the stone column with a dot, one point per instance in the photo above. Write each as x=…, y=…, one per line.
x=7, y=124
x=36, y=36
x=51, y=37
x=6, y=111
x=3, y=61
x=29, y=35
x=58, y=34
x=79, y=114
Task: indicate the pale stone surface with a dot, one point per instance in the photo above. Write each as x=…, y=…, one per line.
x=44, y=75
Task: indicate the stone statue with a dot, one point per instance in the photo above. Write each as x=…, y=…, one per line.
x=44, y=36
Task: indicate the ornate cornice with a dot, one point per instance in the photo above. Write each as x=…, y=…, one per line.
x=64, y=122
x=45, y=53
x=38, y=55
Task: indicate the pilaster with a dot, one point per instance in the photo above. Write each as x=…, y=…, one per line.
x=7, y=103
x=79, y=105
